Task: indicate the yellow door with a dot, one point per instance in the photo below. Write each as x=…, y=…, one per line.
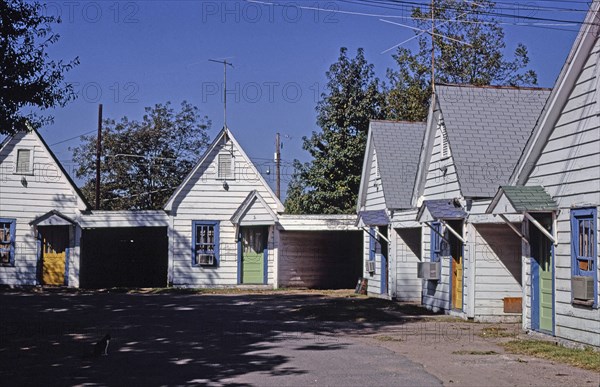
x=456, y=249
x=54, y=242
x=457, y=282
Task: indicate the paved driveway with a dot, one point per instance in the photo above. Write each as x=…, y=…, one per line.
x=175, y=339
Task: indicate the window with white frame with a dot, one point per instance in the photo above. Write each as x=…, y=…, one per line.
x=225, y=166
x=7, y=242
x=584, y=262
x=24, y=163
x=205, y=243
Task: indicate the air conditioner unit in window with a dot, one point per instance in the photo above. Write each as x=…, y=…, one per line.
x=428, y=270
x=206, y=260
x=370, y=266
x=582, y=287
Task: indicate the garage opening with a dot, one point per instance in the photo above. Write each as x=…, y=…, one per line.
x=320, y=259
x=124, y=257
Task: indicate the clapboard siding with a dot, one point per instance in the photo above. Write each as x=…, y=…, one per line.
x=439, y=185
x=406, y=246
x=374, y=199
x=568, y=167
x=27, y=197
x=203, y=197
x=436, y=294
x=498, y=269
x=374, y=286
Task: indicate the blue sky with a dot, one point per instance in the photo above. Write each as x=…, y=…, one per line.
x=138, y=53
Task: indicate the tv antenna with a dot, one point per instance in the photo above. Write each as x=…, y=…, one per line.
x=225, y=64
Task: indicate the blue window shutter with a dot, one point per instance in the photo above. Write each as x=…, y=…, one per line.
x=371, y=244
x=217, y=256
x=13, y=227
x=435, y=242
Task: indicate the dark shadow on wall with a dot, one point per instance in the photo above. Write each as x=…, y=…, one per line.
x=503, y=243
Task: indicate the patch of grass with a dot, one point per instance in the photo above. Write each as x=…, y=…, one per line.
x=583, y=358
x=472, y=352
x=495, y=331
x=388, y=338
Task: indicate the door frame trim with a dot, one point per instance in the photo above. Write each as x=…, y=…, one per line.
x=40, y=261
x=535, y=273
x=240, y=255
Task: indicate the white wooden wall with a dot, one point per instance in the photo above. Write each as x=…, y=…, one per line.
x=374, y=199
x=436, y=295
x=439, y=185
x=374, y=286
x=498, y=270
x=204, y=198
x=405, y=285
x=569, y=169
x=47, y=189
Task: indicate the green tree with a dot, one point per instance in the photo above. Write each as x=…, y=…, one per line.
x=329, y=183
x=469, y=49
x=143, y=161
x=29, y=79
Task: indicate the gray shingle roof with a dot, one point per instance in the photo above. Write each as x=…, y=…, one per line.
x=398, y=146
x=487, y=129
x=443, y=209
x=374, y=218
x=529, y=198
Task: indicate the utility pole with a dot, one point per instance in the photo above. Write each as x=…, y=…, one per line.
x=225, y=64
x=98, y=155
x=432, y=47
x=278, y=166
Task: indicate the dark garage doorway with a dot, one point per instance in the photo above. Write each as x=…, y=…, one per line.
x=320, y=259
x=130, y=257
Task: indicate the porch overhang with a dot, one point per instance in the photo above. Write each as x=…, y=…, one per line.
x=53, y=218
x=524, y=200
x=372, y=219
x=442, y=210
x=254, y=211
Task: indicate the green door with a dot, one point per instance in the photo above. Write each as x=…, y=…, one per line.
x=546, y=287
x=542, y=286
x=254, y=246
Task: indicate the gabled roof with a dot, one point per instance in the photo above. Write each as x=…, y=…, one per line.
x=225, y=133
x=74, y=186
x=441, y=209
x=52, y=218
x=513, y=199
x=372, y=218
x=252, y=198
x=487, y=128
x=397, y=145
x=582, y=47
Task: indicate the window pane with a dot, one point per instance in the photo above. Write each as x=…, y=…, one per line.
x=4, y=255
x=225, y=163
x=23, y=161
x=5, y=232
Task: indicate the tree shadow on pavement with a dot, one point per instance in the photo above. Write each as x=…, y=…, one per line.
x=169, y=339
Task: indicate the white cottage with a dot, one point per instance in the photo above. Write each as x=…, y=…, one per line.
x=222, y=222
x=39, y=209
x=473, y=140
x=386, y=213
x=556, y=187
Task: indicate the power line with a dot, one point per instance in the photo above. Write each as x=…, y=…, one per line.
x=74, y=138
